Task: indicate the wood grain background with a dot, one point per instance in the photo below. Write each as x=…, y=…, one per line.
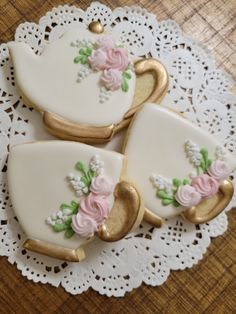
x=208, y=287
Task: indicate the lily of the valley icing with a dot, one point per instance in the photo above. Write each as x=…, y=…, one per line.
x=203, y=183
x=110, y=58
x=84, y=216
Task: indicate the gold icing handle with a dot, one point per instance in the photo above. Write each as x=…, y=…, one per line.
x=161, y=81
x=208, y=209
x=126, y=213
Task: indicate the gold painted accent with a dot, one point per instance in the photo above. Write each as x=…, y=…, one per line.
x=127, y=213
x=212, y=207
x=52, y=250
x=68, y=130
x=152, y=218
x=96, y=27
x=161, y=81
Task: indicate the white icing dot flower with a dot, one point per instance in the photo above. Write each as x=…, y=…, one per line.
x=168, y=187
x=49, y=220
x=70, y=176
x=96, y=164
x=161, y=183
x=220, y=153
x=77, y=184
x=85, y=189
x=193, y=153
x=79, y=193
x=54, y=216
x=64, y=218
x=66, y=211
x=59, y=214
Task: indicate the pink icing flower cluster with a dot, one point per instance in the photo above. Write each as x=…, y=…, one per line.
x=202, y=186
x=111, y=60
x=94, y=208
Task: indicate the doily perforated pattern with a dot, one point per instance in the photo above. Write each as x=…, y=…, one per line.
x=197, y=89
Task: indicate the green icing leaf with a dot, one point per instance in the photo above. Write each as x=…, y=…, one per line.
x=77, y=59
x=88, y=51
x=59, y=227
x=125, y=85
x=91, y=174
x=127, y=75
x=186, y=181
x=162, y=194
x=176, y=182
x=82, y=51
x=166, y=202
x=73, y=206
x=85, y=180
x=81, y=167
x=175, y=203
x=69, y=233
x=209, y=162
x=202, y=165
x=119, y=46
x=204, y=153
x=84, y=59
x=68, y=222
x=205, y=162
x=63, y=206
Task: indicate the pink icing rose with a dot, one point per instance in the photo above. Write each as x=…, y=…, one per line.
x=105, y=42
x=117, y=58
x=219, y=170
x=84, y=225
x=187, y=196
x=207, y=186
x=112, y=79
x=95, y=206
x=101, y=185
x=97, y=60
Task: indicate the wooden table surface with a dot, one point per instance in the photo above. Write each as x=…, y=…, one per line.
x=208, y=287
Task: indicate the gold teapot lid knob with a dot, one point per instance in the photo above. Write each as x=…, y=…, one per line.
x=96, y=27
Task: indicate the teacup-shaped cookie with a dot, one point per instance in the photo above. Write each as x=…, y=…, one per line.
x=84, y=83
x=178, y=167
x=65, y=193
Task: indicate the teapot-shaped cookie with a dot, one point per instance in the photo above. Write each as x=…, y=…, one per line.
x=84, y=84
x=178, y=167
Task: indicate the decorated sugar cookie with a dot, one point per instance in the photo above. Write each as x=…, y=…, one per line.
x=179, y=168
x=66, y=193
x=84, y=84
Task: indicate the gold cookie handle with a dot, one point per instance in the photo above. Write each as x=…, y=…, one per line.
x=69, y=130
x=161, y=81
x=52, y=250
x=152, y=219
x=210, y=208
x=126, y=214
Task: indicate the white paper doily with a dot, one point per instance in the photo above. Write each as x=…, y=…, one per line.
x=197, y=89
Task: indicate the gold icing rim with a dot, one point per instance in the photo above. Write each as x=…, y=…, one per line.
x=56, y=251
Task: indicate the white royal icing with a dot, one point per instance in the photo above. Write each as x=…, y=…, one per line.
x=39, y=183
x=156, y=150
x=53, y=82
